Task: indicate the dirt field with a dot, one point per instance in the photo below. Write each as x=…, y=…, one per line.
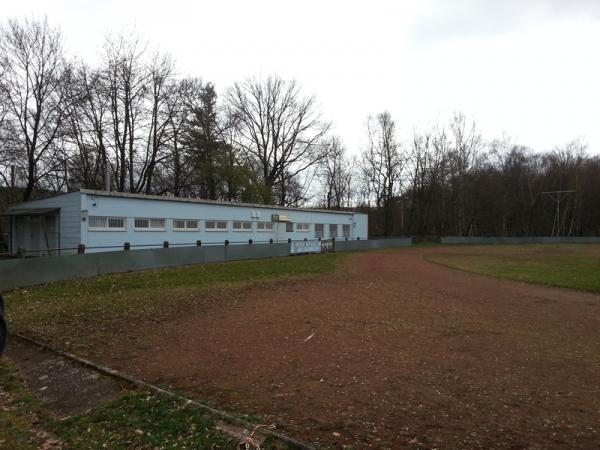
x=393, y=352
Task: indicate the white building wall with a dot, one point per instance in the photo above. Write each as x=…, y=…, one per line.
x=70, y=219
x=131, y=208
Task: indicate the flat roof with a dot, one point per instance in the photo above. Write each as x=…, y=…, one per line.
x=205, y=201
x=29, y=212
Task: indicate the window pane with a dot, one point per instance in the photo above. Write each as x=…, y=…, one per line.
x=210, y=224
x=97, y=222
x=346, y=230
x=178, y=224
x=222, y=225
x=116, y=222
x=289, y=227
x=157, y=223
x=141, y=223
x=332, y=230
x=192, y=224
x=319, y=230
x=239, y=226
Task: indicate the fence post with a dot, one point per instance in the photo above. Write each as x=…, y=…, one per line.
x=198, y=243
x=21, y=252
x=81, y=249
x=358, y=238
x=289, y=240
x=271, y=241
x=249, y=241
x=305, y=239
x=126, y=246
x=226, y=241
x=346, y=237
x=166, y=244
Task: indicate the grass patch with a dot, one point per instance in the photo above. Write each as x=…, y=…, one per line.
x=570, y=266
x=68, y=314
x=142, y=420
x=139, y=420
x=18, y=411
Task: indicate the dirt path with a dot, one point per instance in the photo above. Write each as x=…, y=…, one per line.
x=61, y=385
x=396, y=352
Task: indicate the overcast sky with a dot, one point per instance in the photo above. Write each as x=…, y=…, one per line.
x=530, y=68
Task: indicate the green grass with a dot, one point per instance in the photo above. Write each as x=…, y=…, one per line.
x=68, y=314
x=569, y=266
x=18, y=410
x=138, y=420
x=142, y=420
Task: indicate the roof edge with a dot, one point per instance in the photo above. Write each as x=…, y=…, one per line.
x=206, y=201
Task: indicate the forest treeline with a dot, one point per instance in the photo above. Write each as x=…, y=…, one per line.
x=131, y=121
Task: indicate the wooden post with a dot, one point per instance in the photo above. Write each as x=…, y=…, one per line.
x=81, y=249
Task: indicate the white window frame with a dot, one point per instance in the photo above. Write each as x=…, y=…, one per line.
x=206, y=228
x=185, y=225
x=106, y=227
x=268, y=227
x=242, y=222
x=150, y=227
x=303, y=227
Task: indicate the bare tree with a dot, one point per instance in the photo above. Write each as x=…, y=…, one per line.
x=466, y=156
x=279, y=130
x=335, y=171
x=126, y=84
x=87, y=129
x=33, y=93
x=381, y=166
x=162, y=91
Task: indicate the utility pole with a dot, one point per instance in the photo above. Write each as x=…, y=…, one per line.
x=556, y=196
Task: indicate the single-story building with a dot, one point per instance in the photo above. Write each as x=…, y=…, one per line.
x=105, y=221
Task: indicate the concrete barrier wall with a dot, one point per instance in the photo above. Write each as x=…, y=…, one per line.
x=341, y=246
x=474, y=240
x=23, y=272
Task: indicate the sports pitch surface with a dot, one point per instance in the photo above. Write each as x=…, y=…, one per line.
x=394, y=351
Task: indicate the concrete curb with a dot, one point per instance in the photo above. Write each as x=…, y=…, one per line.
x=142, y=384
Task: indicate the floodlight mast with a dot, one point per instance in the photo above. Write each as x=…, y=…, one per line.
x=556, y=196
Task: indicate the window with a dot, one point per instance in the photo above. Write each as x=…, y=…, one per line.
x=303, y=227
x=242, y=226
x=319, y=230
x=346, y=230
x=143, y=224
x=102, y=223
x=289, y=227
x=216, y=225
x=264, y=226
x=185, y=225
x=333, y=230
